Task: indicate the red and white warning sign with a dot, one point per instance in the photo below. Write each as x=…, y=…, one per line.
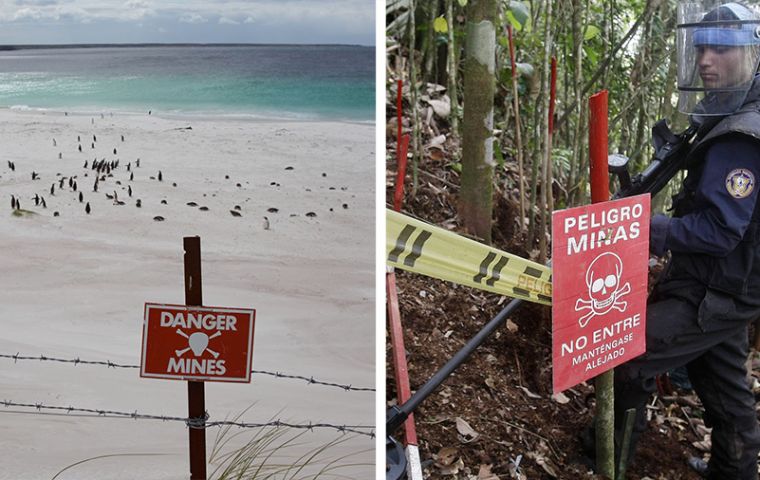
x=600, y=259
x=197, y=343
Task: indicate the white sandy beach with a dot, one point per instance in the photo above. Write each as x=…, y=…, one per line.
x=75, y=285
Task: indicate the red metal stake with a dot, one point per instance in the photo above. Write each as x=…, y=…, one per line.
x=399, y=97
x=195, y=390
x=600, y=192
x=399, y=357
x=600, y=181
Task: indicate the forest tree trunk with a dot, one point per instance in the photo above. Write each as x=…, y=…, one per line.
x=476, y=196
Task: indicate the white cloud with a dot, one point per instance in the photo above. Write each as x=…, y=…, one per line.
x=192, y=18
x=39, y=3
x=136, y=4
x=315, y=20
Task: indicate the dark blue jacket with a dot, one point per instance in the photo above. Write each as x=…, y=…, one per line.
x=714, y=235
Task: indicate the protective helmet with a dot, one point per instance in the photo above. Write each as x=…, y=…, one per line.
x=718, y=53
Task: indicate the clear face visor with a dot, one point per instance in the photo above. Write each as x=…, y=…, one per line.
x=718, y=47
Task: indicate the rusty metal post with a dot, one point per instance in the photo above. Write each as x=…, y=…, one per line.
x=196, y=400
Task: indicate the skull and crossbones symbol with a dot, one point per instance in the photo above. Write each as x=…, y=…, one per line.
x=198, y=343
x=603, y=281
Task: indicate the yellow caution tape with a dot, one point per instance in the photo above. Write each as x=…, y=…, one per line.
x=433, y=251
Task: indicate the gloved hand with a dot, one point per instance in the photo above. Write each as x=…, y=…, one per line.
x=658, y=233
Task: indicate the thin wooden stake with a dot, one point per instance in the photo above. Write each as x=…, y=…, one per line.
x=196, y=400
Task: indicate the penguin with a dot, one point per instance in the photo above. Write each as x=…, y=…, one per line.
x=54, y=143
x=52, y=189
x=129, y=190
x=137, y=163
x=235, y=213
x=13, y=202
x=18, y=204
x=36, y=200
x=87, y=209
x=13, y=166
x=35, y=175
x=129, y=166
x=75, y=186
x=60, y=155
x=92, y=146
x=95, y=186
x=81, y=197
x=44, y=205
x=85, y=164
x=266, y=223
x=114, y=151
x=79, y=139
x=80, y=148
x=138, y=203
x=160, y=176
x=131, y=176
x=71, y=182
x=94, y=138
x=122, y=138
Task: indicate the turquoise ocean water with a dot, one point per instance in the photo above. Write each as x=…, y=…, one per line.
x=254, y=81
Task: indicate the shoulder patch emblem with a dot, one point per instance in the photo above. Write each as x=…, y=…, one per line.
x=740, y=183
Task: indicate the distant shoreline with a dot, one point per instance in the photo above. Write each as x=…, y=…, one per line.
x=185, y=116
x=148, y=45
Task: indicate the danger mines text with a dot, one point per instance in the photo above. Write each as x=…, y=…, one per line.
x=589, y=231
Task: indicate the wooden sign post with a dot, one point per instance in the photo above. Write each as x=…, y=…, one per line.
x=196, y=398
x=197, y=344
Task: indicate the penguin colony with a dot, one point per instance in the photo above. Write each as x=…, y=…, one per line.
x=104, y=170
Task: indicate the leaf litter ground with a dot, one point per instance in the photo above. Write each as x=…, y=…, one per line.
x=495, y=417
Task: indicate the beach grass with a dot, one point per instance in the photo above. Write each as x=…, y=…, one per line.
x=267, y=455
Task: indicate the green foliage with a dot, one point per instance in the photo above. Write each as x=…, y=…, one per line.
x=498, y=156
x=592, y=31
x=518, y=15
x=440, y=25
x=636, y=75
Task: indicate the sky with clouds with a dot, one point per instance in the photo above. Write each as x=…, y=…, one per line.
x=187, y=21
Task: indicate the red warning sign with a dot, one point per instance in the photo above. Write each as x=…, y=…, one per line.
x=197, y=343
x=600, y=260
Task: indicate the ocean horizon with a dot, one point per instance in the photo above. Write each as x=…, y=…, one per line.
x=248, y=81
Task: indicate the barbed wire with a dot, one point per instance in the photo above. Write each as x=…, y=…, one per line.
x=196, y=422
x=110, y=364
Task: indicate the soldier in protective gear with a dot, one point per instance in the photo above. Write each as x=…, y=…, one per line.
x=700, y=309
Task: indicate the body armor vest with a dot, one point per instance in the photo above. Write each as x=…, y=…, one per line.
x=738, y=273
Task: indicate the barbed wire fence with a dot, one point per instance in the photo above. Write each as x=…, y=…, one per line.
x=196, y=423
x=107, y=363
